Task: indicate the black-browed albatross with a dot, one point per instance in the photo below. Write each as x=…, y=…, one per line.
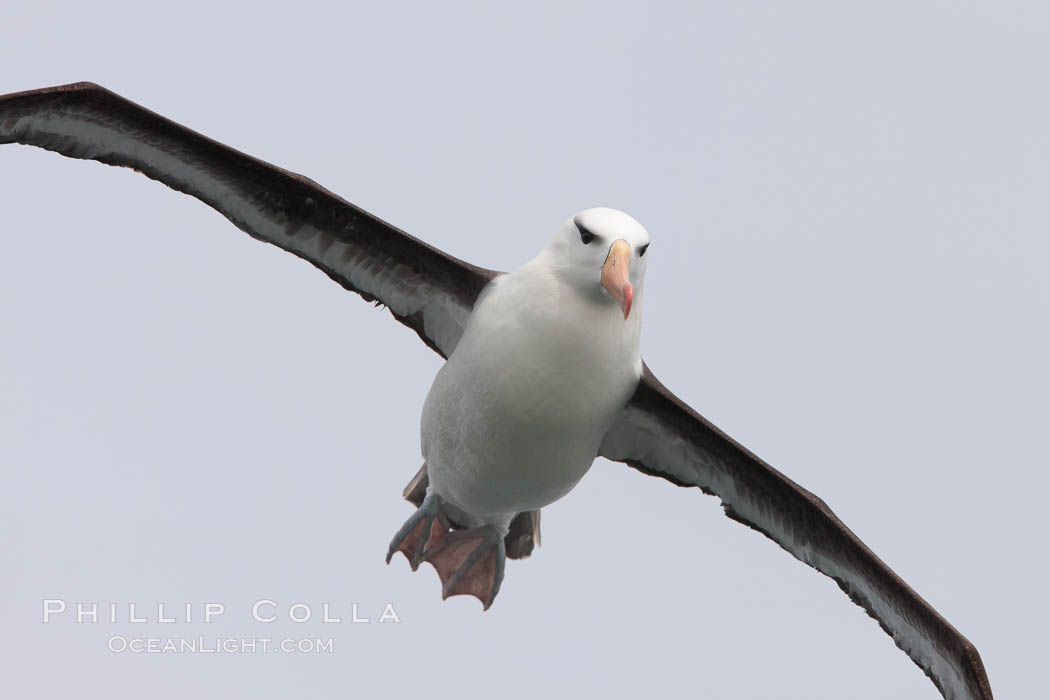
x=543, y=371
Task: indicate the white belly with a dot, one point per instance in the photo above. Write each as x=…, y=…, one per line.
x=515, y=417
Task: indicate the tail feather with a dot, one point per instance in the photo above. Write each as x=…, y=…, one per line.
x=524, y=534
x=521, y=539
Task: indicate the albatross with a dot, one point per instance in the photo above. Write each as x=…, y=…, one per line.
x=543, y=371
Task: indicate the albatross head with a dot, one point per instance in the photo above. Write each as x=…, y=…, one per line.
x=601, y=252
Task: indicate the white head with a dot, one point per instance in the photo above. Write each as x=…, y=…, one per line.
x=601, y=252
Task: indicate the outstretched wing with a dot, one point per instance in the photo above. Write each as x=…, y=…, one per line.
x=427, y=290
x=433, y=293
x=662, y=436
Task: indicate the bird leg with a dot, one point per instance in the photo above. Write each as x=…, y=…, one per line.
x=426, y=529
x=521, y=539
x=470, y=562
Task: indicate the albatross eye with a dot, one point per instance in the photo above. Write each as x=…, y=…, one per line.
x=641, y=251
x=585, y=235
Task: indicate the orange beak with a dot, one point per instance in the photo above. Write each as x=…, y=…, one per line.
x=615, y=275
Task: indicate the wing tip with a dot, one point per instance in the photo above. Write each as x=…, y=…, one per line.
x=973, y=682
x=82, y=86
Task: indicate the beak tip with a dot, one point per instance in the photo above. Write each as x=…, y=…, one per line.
x=628, y=299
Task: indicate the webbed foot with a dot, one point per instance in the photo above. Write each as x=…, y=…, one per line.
x=426, y=529
x=524, y=534
x=470, y=562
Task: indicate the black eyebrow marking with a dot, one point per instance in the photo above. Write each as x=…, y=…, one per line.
x=586, y=235
x=642, y=249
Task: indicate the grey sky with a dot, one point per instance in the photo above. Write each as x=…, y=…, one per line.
x=850, y=242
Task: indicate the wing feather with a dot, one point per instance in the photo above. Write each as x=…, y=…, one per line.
x=424, y=288
x=433, y=293
x=660, y=435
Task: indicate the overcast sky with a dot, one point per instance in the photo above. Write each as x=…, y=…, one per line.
x=851, y=235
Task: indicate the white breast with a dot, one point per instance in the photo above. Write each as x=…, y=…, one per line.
x=515, y=417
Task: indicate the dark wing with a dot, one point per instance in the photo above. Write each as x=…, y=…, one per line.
x=427, y=290
x=433, y=293
x=662, y=436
